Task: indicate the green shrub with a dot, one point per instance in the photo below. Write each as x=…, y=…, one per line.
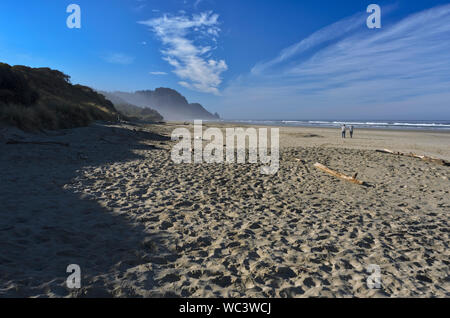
x=41, y=98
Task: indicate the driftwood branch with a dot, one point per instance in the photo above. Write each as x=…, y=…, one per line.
x=18, y=142
x=441, y=162
x=339, y=175
x=390, y=152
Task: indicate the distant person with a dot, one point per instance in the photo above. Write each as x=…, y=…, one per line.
x=343, y=129
x=351, y=131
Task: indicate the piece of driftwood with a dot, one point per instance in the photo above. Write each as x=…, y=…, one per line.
x=338, y=174
x=18, y=142
x=390, y=152
x=438, y=161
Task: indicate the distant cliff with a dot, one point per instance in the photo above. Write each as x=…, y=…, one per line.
x=133, y=112
x=42, y=98
x=168, y=102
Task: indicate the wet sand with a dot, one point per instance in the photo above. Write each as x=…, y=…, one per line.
x=139, y=225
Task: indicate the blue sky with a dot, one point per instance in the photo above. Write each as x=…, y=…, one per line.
x=248, y=59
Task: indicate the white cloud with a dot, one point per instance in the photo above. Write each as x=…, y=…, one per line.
x=197, y=2
x=329, y=33
x=140, y=5
x=118, y=58
x=188, y=46
x=158, y=73
x=343, y=69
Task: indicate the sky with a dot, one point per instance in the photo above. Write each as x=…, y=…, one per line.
x=248, y=59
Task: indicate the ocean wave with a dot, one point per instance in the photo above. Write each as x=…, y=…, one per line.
x=437, y=125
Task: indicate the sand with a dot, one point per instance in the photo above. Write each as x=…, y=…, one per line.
x=141, y=226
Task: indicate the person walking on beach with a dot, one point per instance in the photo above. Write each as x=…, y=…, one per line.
x=343, y=128
x=351, y=131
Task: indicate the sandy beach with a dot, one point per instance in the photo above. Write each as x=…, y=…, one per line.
x=108, y=198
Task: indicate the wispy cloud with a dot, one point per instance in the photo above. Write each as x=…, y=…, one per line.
x=158, y=73
x=332, y=32
x=188, y=46
x=140, y=5
x=197, y=2
x=118, y=58
x=349, y=68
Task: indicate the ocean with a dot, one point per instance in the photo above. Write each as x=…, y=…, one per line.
x=377, y=124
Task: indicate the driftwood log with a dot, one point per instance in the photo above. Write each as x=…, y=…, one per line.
x=390, y=152
x=441, y=162
x=338, y=174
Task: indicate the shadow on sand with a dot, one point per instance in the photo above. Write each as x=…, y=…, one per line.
x=44, y=226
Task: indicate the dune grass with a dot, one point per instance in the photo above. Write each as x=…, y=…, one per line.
x=41, y=98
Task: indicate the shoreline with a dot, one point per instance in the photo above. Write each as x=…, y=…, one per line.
x=424, y=142
x=256, y=123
